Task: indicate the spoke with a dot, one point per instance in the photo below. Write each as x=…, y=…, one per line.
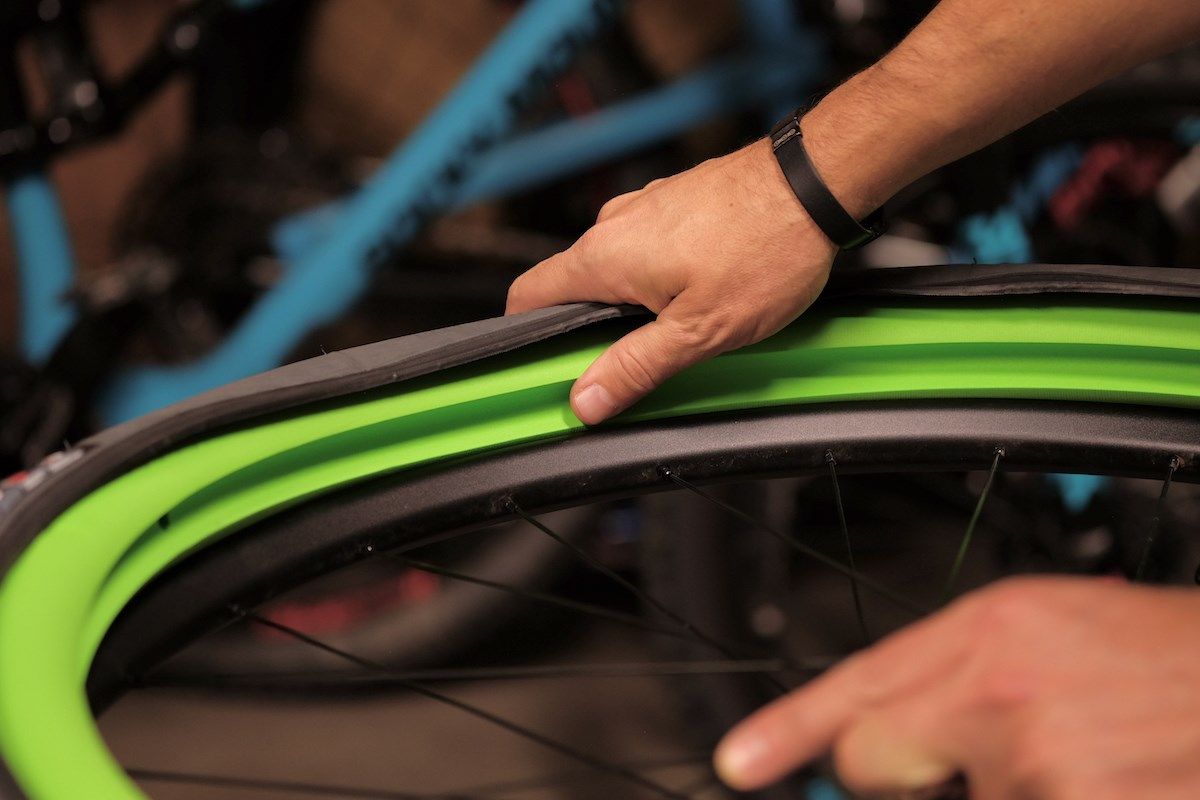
x=639, y=593
x=334, y=679
x=965, y=544
x=900, y=600
x=601, y=612
x=1156, y=524
x=815, y=663
x=530, y=735
x=590, y=609
x=290, y=787
x=841, y=511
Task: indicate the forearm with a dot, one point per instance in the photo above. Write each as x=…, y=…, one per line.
x=974, y=70
x=971, y=72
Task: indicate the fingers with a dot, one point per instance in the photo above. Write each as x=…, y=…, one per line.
x=559, y=279
x=790, y=732
x=903, y=747
x=641, y=361
x=916, y=662
x=615, y=204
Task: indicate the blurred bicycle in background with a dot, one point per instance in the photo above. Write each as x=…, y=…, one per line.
x=262, y=227
x=297, y=199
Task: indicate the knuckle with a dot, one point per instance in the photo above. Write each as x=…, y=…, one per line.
x=695, y=335
x=999, y=688
x=732, y=329
x=608, y=209
x=590, y=243
x=707, y=334
x=517, y=290
x=1007, y=609
x=635, y=365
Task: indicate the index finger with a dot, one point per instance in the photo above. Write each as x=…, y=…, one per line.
x=559, y=279
x=799, y=728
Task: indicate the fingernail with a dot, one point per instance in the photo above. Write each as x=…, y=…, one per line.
x=738, y=757
x=593, y=404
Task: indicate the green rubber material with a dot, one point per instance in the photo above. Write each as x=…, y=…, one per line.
x=62, y=594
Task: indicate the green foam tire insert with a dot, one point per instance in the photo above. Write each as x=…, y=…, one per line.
x=62, y=594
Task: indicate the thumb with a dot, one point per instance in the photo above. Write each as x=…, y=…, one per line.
x=637, y=364
x=900, y=749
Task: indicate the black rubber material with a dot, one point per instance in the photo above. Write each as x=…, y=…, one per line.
x=992, y=280
x=119, y=449
x=303, y=542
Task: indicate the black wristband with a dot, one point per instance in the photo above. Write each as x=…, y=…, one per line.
x=828, y=214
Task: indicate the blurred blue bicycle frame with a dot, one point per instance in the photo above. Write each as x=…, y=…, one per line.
x=462, y=153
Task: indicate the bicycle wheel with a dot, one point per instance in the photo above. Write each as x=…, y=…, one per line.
x=440, y=619
x=337, y=460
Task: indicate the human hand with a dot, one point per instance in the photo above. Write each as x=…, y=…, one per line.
x=723, y=254
x=1038, y=689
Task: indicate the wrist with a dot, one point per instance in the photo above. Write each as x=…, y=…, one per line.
x=844, y=168
x=789, y=214
x=863, y=149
